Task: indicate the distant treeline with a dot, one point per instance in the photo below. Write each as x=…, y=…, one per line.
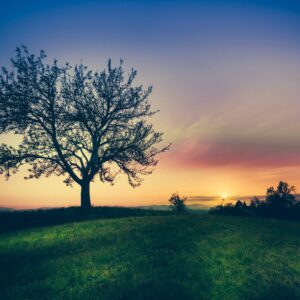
x=279, y=202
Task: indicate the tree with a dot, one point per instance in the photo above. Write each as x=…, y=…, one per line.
x=76, y=123
x=281, y=197
x=239, y=204
x=255, y=202
x=178, y=203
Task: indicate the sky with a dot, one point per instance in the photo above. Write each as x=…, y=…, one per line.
x=226, y=79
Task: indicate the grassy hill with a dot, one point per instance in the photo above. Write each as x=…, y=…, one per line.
x=153, y=257
x=24, y=219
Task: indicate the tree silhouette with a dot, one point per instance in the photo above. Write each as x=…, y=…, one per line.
x=255, y=202
x=76, y=123
x=282, y=196
x=177, y=202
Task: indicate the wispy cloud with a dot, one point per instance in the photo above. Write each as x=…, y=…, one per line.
x=253, y=143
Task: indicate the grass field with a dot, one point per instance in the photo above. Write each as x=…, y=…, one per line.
x=154, y=257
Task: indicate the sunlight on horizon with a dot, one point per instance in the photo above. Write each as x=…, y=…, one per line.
x=226, y=82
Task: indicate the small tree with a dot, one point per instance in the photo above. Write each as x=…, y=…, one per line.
x=238, y=204
x=76, y=123
x=255, y=202
x=281, y=197
x=177, y=203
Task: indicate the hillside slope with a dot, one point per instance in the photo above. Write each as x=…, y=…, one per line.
x=156, y=257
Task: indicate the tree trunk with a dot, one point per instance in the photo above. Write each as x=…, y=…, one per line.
x=85, y=195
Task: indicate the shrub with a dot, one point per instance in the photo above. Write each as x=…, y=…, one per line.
x=177, y=203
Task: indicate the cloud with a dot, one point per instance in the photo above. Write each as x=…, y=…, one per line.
x=202, y=198
x=256, y=142
x=196, y=199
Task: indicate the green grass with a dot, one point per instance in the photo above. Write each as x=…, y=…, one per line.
x=156, y=257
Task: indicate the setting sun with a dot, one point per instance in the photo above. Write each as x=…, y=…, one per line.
x=224, y=196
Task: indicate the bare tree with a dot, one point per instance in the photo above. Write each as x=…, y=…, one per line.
x=76, y=123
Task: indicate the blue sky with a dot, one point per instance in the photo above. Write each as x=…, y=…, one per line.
x=158, y=28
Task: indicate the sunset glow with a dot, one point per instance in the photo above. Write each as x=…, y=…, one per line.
x=226, y=81
x=224, y=196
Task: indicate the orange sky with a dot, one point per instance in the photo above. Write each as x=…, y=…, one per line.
x=239, y=145
x=170, y=176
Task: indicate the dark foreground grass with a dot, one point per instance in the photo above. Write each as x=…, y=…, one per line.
x=24, y=219
x=158, y=257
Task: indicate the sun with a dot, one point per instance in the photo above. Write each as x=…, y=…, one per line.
x=224, y=196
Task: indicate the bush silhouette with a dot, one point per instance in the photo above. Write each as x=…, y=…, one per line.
x=178, y=203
